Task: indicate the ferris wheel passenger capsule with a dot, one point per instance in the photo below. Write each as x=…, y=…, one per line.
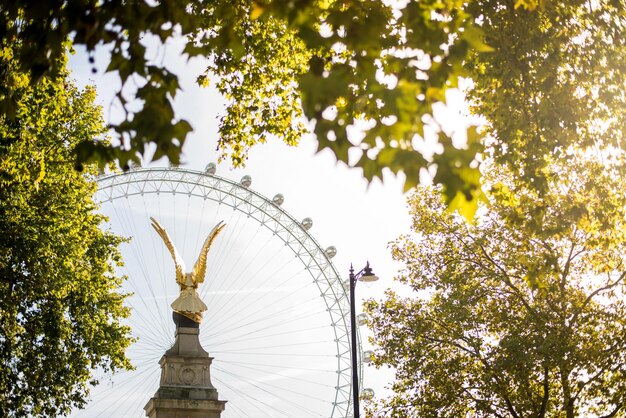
x=368, y=356
x=246, y=181
x=361, y=319
x=210, y=169
x=278, y=199
x=307, y=223
x=331, y=251
x=367, y=394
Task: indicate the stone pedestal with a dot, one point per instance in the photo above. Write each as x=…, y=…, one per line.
x=185, y=390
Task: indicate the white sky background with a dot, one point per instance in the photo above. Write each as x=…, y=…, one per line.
x=358, y=219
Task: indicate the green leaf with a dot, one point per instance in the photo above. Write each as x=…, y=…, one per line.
x=474, y=36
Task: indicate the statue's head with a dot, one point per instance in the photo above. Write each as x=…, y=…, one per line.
x=189, y=278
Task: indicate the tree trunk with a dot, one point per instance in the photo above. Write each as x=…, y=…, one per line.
x=568, y=401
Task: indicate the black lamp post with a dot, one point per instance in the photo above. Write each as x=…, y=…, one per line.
x=365, y=275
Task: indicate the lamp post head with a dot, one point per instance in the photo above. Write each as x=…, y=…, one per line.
x=368, y=274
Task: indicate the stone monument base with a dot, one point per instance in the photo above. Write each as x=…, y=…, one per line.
x=184, y=408
x=185, y=390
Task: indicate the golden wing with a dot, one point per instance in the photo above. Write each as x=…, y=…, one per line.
x=199, y=269
x=179, y=263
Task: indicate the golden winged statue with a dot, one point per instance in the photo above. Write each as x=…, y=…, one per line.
x=188, y=302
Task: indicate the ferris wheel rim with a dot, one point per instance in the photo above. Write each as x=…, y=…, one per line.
x=176, y=180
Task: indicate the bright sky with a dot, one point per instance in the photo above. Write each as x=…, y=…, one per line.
x=358, y=219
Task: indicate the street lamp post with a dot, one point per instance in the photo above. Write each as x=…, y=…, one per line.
x=365, y=275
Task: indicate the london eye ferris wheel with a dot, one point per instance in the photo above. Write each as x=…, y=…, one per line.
x=277, y=323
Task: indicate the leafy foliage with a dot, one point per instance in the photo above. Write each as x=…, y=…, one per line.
x=554, y=84
x=521, y=313
x=369, y=65
x=338, y=63
x=60, y=307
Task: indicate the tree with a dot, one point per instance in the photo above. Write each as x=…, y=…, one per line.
x=521, y=314
x=60, y=305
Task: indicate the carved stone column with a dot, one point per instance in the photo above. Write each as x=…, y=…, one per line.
x=185, y=390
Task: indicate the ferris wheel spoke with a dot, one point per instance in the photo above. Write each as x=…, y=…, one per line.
x=265, y=295
x=307, y=344
x=232, y=222
x=282, y=354
x=147, y=325
x=237, y=320
x=248, y=399
x=235, y=323
x=279, y=366
x=246, y=284
x=287, y=371
x=202, y=216
x=116, y=395
x=271, y=297
x=186, y=224
x=263, y=387
x=213, y=284
x=245, y=331
x=157, y=253
x=286, y=389
x=129, y=225
x=228, y=275
x=232, y=239
x=264, y=330
x=147, y=340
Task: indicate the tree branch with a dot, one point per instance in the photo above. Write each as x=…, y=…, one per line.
x=501, y=269
x=477, y=355
x=614, y=412
x=595, y=293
